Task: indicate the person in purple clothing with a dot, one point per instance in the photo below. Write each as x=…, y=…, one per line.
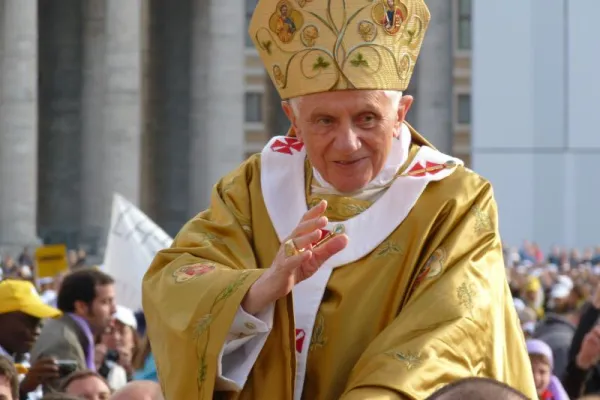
x=87, y=300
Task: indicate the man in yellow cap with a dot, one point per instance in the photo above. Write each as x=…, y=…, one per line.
x=350, y=259
x=21, y=311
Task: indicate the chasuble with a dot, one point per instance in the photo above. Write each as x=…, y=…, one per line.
x=417, y=300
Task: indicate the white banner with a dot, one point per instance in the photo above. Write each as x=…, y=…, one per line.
x=133, y=241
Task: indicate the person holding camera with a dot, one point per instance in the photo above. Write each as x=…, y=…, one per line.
x=87, y=300
x=21, y=312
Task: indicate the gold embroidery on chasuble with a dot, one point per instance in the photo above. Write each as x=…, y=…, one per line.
x=483, y=222
x=409, y=359
x=466, y=296
x=388, y=248
x=318, y=338
x=203, y=326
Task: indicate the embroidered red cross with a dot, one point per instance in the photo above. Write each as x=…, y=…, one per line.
x=418, y=166
x=300, y=336
x=287, y=145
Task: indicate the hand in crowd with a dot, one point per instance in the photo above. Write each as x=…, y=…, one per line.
x=286, y=272
x=125, y=359
x=589, y=354
x=42, y=371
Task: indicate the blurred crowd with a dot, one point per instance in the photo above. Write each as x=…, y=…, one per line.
x=66, y=337
x=557, y=298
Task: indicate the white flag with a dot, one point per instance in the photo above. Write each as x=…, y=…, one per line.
x=133, y=241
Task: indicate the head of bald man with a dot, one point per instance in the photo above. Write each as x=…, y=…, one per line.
x=139, y=390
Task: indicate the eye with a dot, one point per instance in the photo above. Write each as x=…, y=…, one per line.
x=367, y=119
x=324, y=121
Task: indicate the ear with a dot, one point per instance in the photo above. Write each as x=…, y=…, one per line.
x=405, y=104
x=81, y=308
x=289, y=112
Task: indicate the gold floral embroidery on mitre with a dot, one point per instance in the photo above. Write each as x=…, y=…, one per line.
x=310, y=46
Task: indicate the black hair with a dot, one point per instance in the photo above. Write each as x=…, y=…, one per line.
x=81, y=285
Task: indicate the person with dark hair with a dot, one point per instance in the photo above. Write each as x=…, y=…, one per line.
x=477, y=389
x=9, y=382
x=87, y=299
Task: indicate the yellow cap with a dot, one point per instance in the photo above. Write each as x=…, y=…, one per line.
x=313, y=46
x=21, y=296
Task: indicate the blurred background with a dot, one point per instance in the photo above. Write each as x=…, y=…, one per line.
x=155, y=100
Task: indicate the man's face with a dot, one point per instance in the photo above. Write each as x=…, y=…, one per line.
x=5, y=389
x=89, y=388
x=20, y=332
x=390, y=3
x=99, y=313
x=348, y=134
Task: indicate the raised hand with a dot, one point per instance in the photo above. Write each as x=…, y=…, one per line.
x=289, y=270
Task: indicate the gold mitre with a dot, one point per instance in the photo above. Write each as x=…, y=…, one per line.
x=312, y=46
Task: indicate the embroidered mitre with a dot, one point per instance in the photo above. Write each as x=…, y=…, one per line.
x=313, y=46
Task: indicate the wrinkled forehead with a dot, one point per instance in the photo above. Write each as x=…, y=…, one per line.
x=346, y=100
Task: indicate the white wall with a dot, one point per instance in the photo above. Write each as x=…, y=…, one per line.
x=536, y=116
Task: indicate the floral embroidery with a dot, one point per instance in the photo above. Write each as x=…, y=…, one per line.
x=483, y=221
x=388, y=248
x=205, y=238
x=411, y=360
x=190, y=272
x=204, y=324
x=465, y=295
x=433, y=267
x=318, y=338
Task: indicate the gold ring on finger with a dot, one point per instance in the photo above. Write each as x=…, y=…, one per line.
x=290, y=248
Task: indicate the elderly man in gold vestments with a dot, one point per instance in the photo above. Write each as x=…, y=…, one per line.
x=350, y=259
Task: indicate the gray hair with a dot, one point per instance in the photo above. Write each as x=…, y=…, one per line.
x=394, y=95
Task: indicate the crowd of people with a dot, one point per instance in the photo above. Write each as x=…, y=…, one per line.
x=557, y=298
x=66, y=337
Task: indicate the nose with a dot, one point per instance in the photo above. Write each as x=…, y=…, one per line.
x=347, y=141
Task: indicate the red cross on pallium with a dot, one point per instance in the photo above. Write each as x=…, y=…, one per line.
x=418, y=166
x=286, y=145
x=300, y=336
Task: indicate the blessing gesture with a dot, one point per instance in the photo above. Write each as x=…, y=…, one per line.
x=296, y=260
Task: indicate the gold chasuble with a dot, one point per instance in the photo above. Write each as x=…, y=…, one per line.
x=418, y=298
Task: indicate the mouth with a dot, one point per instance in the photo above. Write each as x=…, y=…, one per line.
x=346, y=163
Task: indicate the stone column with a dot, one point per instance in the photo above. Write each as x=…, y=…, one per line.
x=113, y=109
x=93, y=185
x=59, y=153
x=434, y=78
x=123, y=101
x=168, y=113
x=18, y=123
x=217, y=116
